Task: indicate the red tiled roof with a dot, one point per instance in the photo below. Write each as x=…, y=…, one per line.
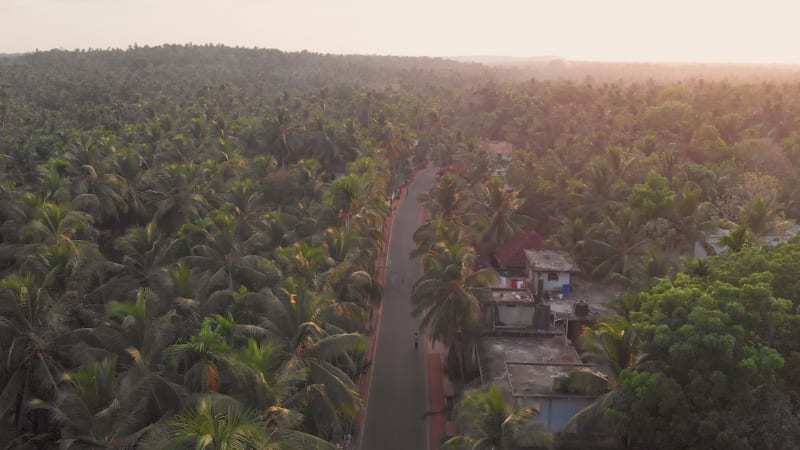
x=512, y=252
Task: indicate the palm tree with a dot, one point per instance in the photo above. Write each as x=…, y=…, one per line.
x=61, y=240
x=104, y=195
x=305, y=261
x=230, y=261
x=219, y=422
x=37, y=345
x=202, y=359
x=691, y=218
x=475, y=162
x=499, y=211
x=280, y=127
x=344, y=195
x=449, y=200
x=759, y=216
x=143, y=252
x=310, y=178
x=434, y=231
x=177, y=195
x=306, y=324
x=87, y=409
x=615, y=246
x=604, y=191
x=448, y=296
x=215, y=423
x=612, y=346
x=488, y=423
x=738, y=238
x=325, y=145
x=352, y=284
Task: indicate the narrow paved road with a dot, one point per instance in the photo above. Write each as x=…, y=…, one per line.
x=397, y=398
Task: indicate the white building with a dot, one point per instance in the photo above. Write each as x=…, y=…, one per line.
x=549, y=272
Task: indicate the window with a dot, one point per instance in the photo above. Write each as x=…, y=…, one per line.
x=552, y=276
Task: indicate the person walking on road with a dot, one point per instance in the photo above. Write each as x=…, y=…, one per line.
x=416, y=341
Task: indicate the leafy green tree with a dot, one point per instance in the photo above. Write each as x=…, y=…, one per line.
x=653, y=198
x=713, y=341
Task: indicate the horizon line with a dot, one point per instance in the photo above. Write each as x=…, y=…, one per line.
x=455, y=57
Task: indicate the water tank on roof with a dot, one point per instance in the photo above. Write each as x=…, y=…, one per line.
x=581, y=308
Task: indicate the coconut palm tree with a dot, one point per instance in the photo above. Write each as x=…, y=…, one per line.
x=488, y=423
x=448, y=200
x=281, y=128
x=311, y=329
x=434, y=231
x=218, y=422
x=304, y=261
x=230, y=261
x=604, y=191
x=498, y=211
x=759, y=215
x=448, y=295
x=691, y=219
x=87, y=411
x=143, y=252
x=738, y=238
x=202, y=359
x=612, y=346
x=60, y=239
x=345, y=195
x=350, y=283
x=615, y=246
x=36, y=345
x=176, y=194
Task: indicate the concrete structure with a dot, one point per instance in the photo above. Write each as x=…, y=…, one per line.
x=526, y=369
x=508, y=308
x=549, y=272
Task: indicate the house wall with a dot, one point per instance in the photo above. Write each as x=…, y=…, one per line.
x=549, y=285
x=515, y=315
x=556, y=412
x=563, y=278
x=512, y=282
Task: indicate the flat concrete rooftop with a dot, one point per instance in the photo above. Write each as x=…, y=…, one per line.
x=495, y=352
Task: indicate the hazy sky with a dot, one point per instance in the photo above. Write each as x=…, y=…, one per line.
x=622, y=30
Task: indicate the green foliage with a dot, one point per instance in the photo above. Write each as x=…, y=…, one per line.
x=179, y=268
x=489, y=423
x=206, y=215
x=722, y=343
x=653, y=198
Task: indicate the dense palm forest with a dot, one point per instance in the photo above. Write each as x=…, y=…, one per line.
x=190, y=237
x=189, y=242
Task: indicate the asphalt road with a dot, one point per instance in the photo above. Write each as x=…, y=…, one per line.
x=397, y=398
